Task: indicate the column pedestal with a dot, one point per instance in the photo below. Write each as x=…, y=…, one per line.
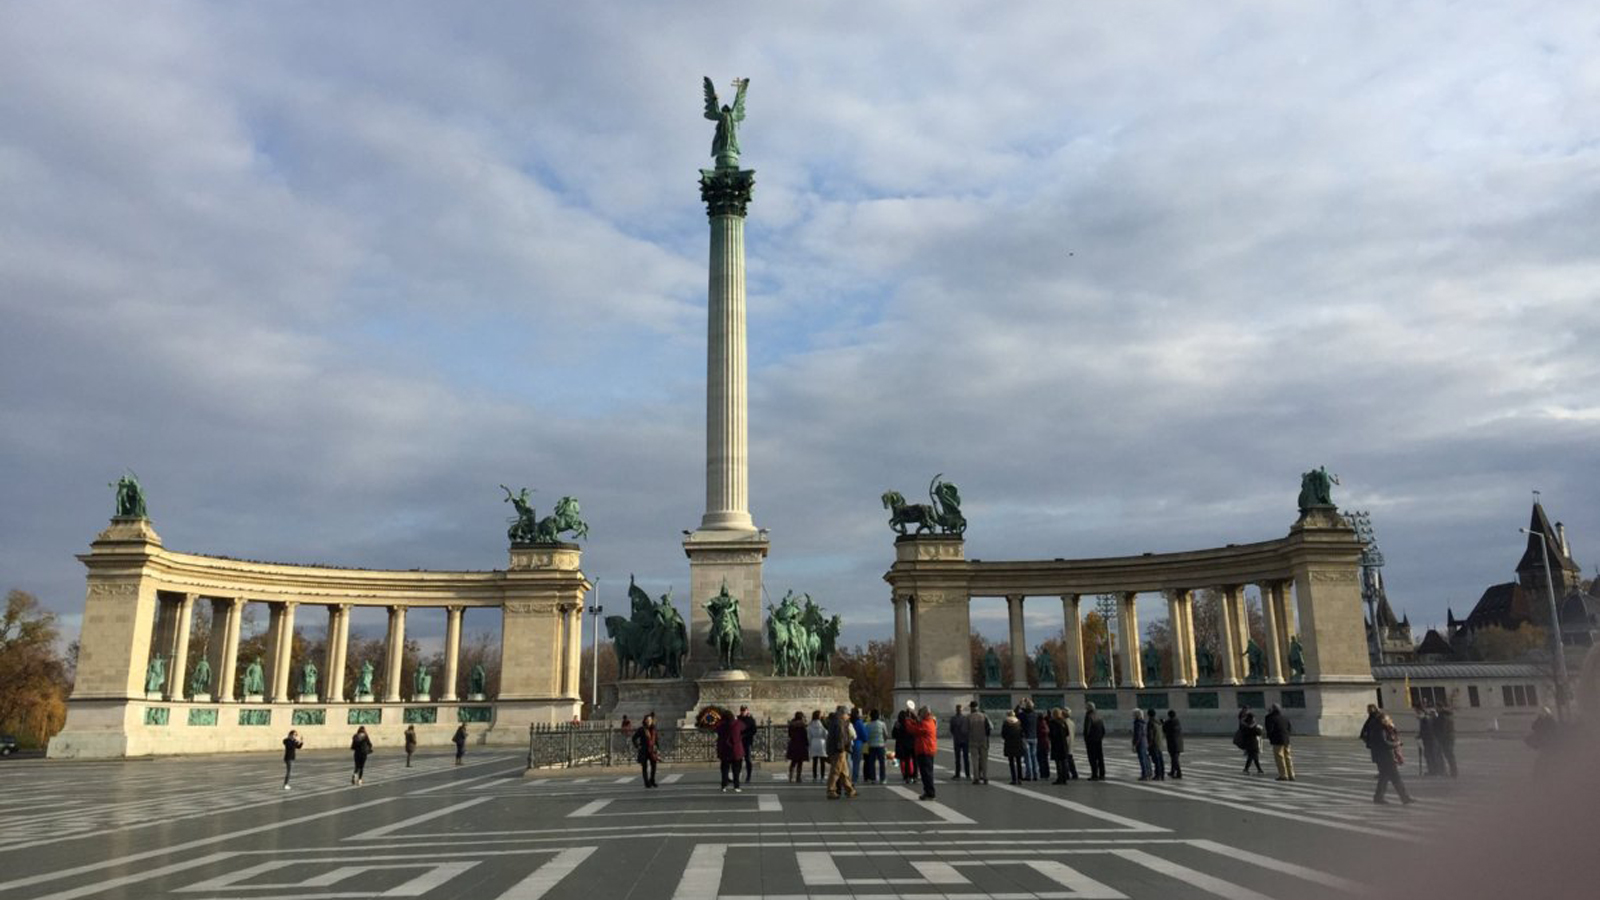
x=733, y=558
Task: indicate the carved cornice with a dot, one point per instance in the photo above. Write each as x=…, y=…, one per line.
x=1334, y=576
x=726, y=192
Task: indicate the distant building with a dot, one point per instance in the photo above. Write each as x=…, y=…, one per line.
x=1390, y=638
x=1485, y=696
x=1525, y=602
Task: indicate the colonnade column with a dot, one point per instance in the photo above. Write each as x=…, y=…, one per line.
x=1128, y=624
x=1074, y=640
x=1019, y=639
x=283, y=652
x=1186, y=607
x=1270, y=613
x=332, y=666
x=567, y=686
x=1232, y=648
x=1180, y=645
x=396, y=654
x=177, y=667
x=227, y=671
x=902, y=642
x=452, y=651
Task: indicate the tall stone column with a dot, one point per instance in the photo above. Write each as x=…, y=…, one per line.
x=1180, y=645
x=178, y=665
x=1190, y=652
x=1128, y=619
x=727, y=549
x=1269, y=618
x=1019, y=644
x=902, y=642
x=452, y=651
x=1073, y=622
x=396, y=654
x=228, y=671
x=283, y=652
x=1233, y=650
x=1280, y=602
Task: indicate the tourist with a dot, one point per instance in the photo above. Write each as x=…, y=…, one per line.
x=840, y=736
x=799, y=746
x=958, y=741
x=1383, y=741
x=904, y=747
x=1430, y=750
x=411, y=743
x=1174, y=732
x=877, y=737
x=858, y=743
x=1042, y=745
x=730, y=749
x=1158, y=745
x=644, y=741
x=1444, y=729
x=1094, y=736
x=978, y=731
x=360, y=748
x=1058, y=726
x=1071, y=731
x=460, y=740
x=1248, y=739
x=1544, y=737
x=817, y=735
x=1141, y=743
x=927, y=747
x=1279, y=728
x=750, y=726
x=1030, y=738
x=1013, y=745
x=290, y=745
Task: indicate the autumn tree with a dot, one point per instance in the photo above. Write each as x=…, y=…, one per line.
x=870, y=669
x=33, y=674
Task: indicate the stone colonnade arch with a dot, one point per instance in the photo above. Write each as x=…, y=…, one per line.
x=1317, y=564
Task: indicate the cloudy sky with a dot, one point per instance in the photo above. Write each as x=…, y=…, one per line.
x=325, y=276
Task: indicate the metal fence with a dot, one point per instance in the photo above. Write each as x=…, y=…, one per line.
x=607, y=743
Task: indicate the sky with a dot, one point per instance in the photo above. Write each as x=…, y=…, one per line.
x=325, y=276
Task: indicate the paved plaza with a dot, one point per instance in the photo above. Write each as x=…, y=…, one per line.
x=221, y=826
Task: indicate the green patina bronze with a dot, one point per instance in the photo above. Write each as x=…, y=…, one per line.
x=652, y=641
x=528, y=528
x=422, y=683
x=364, y=679
x=1150, y=657
x=1206, y=662
x=991, y=668
x=725, y=631
x=474, y=713
x=725, y=144
x=942, y=513
x=308, y=678
x=1316, y=489
x=254, y=682
x=202, y=717
x=1102, y=667
x=1256, y=661
x=130, y=497
x=1045, y=665
x=155, y=675
x=801, y=640
x=1297, y=658
x=200, y=679
x=309, y=717
x=255, y=717
x=477, y=682
x=365, y=716
x=420, y=715
x=157, y=715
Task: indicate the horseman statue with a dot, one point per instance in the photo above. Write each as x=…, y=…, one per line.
x=725, y=629
x=802, y=640
x=528, y=528
x=651, y=642
x=941, y=513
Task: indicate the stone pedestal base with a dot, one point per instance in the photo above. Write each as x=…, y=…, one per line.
x=154, y=696
x=308, y=698
x=364, y=698
x=476, y=698
x=200, y=698
x=665, y=697
x=254, y=698
x=770, y=697
x=513, y=717
x=420, y=700
x=733, y=558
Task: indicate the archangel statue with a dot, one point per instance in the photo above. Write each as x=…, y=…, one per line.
x=725, y=145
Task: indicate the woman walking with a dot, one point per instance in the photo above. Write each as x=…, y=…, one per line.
x=799, y=746
x=360, y=748
x=411, y=743
x=290, y=745
x=1011, y=739
x=1158, y=745
x=1249, y=740
x=1141, y=743
x=644, y=741
x=460, y=740
x=817, y=737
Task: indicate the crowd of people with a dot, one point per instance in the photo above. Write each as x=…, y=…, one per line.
x=361, y=749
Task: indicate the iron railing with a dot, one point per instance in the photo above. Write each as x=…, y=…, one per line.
x=607, y=743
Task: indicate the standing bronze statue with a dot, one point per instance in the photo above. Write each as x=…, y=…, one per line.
x=724, y=633
x=725, y=145
x=1316, y=488
x=130, y=497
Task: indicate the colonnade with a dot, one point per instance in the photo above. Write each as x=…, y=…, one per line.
x=174, y=622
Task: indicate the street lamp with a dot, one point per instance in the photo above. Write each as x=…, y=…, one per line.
x=1555, y=622
x=595, y=609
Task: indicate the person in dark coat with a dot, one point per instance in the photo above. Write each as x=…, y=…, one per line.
x=1094, y=736
x=644, y=742
x=1013, y=745
x=905, y=747
x=411, y=743
x=1141, y=743
x=1058, y=725
x=730, y=750
x=460, y=740
x=1030, y=736
x=360, y=748
x=1248, y=739
x=1444, y=730
x=1430, y=747
x=1158, y=745
x=978, y=730
x=290, y=745
x=1279, y=728
x=1042, y=746
x=1174, y=732
x=750, y=725
x=1383, y=741
x=958, y=740
x=799, y=746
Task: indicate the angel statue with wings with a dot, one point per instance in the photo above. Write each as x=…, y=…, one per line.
x=725, y=146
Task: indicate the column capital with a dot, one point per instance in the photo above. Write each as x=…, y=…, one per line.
x=726, y=192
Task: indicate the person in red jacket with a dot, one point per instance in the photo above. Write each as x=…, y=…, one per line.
x=730, y=749
x=925, y=737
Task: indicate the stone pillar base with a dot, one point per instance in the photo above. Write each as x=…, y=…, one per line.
x=733, y=558
x=513, y=717
x=255, y=698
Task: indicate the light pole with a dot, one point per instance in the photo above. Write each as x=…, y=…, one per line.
x=595, y=609
x=1107, y=607
x=1555, y=623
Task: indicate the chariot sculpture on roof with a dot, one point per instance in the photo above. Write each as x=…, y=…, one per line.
x=941, y=513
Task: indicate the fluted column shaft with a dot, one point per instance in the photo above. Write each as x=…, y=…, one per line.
x=727, y=432
x=1233, y=649
x=1271, y=617
x=396, y=655
x=452, y=651
x=227, y=672
x=283, y=652
x=177, y=667
x=1180, y=644
x=902, y=642
x=1132, y=667
x=1073, y=623
x=1019, y=644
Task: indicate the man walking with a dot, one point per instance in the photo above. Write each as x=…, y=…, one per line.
x=747, y=735
x=978, y=730
x=1383, y=742
x=1278, y=730
x=1141, y=743
x=1174, y=731
x=290, y=745
x=1030, y=740
x=1094, y=736
x=959, y=740
x=840, y=736
x=1444, y=730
